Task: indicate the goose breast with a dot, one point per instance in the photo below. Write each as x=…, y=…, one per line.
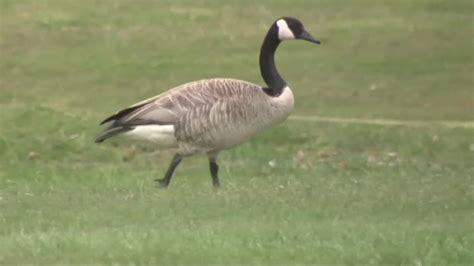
x=231, y=119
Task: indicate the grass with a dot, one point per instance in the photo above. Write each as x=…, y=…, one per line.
x=302, y=193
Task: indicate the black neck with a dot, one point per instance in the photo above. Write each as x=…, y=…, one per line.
x=268, y=69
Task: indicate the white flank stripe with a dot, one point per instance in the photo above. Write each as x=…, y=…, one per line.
x=385, y=122
x=162, y=135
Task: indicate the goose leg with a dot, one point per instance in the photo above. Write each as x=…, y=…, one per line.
x=169, y=173
x=214, y=169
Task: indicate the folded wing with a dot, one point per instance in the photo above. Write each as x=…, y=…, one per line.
x=168, y=107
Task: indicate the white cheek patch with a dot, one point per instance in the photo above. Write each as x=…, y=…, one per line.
x=284, y=32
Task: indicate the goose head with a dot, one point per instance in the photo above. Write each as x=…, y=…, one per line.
x=289, y=28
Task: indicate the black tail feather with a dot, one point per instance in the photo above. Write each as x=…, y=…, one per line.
x=109, y=132
x=121, y=114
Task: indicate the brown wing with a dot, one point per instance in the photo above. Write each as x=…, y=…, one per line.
x=168, y=107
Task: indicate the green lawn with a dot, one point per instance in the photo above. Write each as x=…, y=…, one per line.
x=302, y=193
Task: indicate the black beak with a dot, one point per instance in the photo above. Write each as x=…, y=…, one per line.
x=306, y=36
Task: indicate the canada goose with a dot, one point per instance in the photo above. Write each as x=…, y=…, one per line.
x=208, y=116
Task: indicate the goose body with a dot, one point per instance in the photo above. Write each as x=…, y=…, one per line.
x=208, y=116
